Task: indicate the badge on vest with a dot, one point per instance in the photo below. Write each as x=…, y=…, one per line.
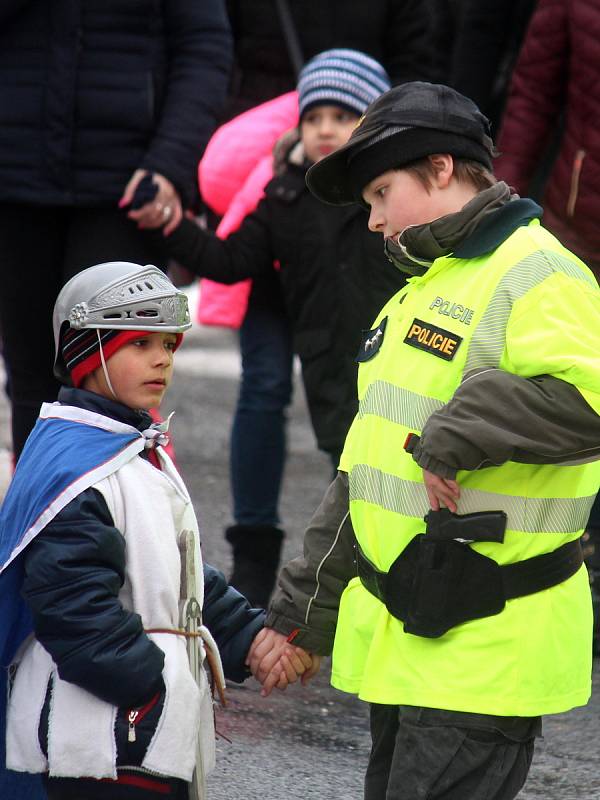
x=371, y=342
x=434, y=340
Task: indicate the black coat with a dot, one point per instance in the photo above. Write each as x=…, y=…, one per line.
x=90, y=90
x=74, y=570
x=395, y=32
x=478, y=56
x=334, y=280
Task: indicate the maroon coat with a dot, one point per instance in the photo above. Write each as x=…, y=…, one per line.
x=558, y=70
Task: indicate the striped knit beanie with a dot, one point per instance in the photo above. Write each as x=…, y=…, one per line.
x=341, y=77
x=81, y=350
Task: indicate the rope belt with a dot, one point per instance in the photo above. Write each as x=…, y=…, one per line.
x=214, y=665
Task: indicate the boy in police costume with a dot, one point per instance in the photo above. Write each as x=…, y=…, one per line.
x=479, y=390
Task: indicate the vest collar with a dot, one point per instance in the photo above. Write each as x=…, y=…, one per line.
x=90, y=401
x=498, y=226
x=481, y=226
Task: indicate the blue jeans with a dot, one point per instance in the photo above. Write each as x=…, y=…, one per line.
x=258, y=440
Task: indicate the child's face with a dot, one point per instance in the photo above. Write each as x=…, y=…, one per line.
x=398, y=199
x=139, y=372
x=324, y=129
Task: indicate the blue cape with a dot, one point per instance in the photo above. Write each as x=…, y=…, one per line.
x=68, y=451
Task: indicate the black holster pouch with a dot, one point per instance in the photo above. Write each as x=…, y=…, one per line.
x=438, y=581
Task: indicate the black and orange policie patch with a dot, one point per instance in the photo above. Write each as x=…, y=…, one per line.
x=432, y=339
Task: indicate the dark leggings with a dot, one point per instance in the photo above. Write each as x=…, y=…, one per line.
x=40, y=249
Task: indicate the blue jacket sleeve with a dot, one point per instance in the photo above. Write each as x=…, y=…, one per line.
x=232, y=622
x=74, y=570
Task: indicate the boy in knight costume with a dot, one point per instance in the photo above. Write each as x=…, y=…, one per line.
x=105, y=629
x=479, y=401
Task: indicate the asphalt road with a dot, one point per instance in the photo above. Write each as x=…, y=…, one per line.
x=308, y=742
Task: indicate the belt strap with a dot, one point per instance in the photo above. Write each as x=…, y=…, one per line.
x=519, y=579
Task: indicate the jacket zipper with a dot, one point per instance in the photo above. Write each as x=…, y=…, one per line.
x=136, y=715
x=575, y=174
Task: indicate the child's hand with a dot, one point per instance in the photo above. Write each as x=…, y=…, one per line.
x=163, y=209
x=442, y=492
x=279, y=677
x=267, y=649
x=275, y=662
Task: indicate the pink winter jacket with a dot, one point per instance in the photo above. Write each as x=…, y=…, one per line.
x=236, y=166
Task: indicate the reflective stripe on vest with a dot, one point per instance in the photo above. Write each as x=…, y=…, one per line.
x=526, y=514
x=383, y=399
x=489, y=338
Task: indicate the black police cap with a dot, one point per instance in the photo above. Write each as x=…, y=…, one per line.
x=406, y=123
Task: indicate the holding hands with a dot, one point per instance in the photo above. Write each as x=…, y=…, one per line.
x=157, y=204
x=276, y=663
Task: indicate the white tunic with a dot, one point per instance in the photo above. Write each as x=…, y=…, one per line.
x=151, y=508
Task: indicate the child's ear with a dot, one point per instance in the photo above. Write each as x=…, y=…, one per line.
x=443, y=169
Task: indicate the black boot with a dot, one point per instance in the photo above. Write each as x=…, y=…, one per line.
x=256, y=552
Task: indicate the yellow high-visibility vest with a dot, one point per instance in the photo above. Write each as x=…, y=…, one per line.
x=531, y=308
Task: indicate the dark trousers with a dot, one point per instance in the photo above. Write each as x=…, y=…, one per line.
x=139, y=786
x=40, y=249
x=258, y=436
x=429, y=754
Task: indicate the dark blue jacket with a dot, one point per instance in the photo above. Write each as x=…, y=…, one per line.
x=74, y=570
x=90, y=90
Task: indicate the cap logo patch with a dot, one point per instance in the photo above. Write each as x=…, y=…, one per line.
x=371, y=342
x=431, y=339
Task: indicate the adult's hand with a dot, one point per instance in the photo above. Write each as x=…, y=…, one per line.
x=164, y=210
x=442, y=492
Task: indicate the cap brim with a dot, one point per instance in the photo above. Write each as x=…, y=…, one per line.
x=329, y=179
